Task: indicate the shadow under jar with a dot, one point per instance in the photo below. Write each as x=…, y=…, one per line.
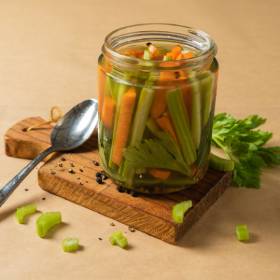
x=157, y=89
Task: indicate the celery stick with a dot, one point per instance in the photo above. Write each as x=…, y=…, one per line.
x=178, y=114
x=108, y=86
x=206, y=87
x=139, y=124
x=152, y=126
x=195, y=111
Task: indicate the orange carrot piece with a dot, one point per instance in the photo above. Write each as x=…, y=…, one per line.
x=176, y=50
x=188, y=55
x=101, y=89
x=171, y=55
x=108, y=112
x=123, y=125
x=159, y=104
x=166, y=125
x=179, y=56
x=166, y=76
x=153, y=51
x=160, y=174
x=138, y=53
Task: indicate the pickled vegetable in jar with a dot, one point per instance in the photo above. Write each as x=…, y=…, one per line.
x=157, y=89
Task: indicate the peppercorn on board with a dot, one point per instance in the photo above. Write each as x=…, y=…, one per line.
x=73, y=177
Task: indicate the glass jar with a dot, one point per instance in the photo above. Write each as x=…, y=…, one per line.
x=155, y=109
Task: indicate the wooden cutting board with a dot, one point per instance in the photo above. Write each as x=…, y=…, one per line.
x=72, y=176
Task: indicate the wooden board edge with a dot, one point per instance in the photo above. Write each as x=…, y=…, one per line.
x=104, y=205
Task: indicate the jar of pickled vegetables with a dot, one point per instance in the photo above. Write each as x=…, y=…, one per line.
x=157, y=89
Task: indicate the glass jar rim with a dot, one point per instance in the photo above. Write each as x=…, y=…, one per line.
x=112, y=39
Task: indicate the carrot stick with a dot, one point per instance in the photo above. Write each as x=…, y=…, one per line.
x=160, y=174
x=108, y=111
x=166, y=125
x=159, y=104
x=123, y=126
x=101, y=89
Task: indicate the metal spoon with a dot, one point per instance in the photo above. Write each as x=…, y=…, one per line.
x=71, y=131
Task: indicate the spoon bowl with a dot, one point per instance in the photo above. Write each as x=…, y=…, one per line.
x=76, y=126
x=71, y=131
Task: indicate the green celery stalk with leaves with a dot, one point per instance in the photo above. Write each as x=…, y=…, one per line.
x=244, y=145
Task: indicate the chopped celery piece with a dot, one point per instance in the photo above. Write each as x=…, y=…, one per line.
x=180, y=120
x=195, y=111
x=47, y=221
x=242, y=233
x=206, y=89
x=70, y=244
x=117, y=238
x=25, y=211
x=179, y=210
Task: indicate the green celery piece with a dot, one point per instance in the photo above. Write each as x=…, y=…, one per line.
x=167, y=58
x=25, y=211
x=142, y=112
x=146, y=55
x=139, y=123
x=207, y=80
x=70, y=244
x=153, y=153
x=169, y=144
x=108, y=85
x=179, y=210
x=118, y=238
x=195, y=110
x=219, y=160
x=152, y=126
x=179, y=117
x=242, y=233
x=47, y=221
x=221, y=164
x=244, y=144
x=119, y=92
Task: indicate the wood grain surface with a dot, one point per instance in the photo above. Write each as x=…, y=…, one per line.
x=72, y=176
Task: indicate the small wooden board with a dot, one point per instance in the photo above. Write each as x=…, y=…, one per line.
x=72, y=176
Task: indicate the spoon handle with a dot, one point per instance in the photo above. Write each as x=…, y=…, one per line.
x=8, y=189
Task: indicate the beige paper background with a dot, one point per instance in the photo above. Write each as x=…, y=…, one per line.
x=48, y=54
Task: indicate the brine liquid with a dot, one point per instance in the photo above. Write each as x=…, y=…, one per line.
x=155, y=128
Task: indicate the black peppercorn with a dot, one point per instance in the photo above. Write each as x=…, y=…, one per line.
x=99, y=180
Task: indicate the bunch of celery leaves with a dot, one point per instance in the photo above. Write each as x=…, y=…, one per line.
x=244, y=145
